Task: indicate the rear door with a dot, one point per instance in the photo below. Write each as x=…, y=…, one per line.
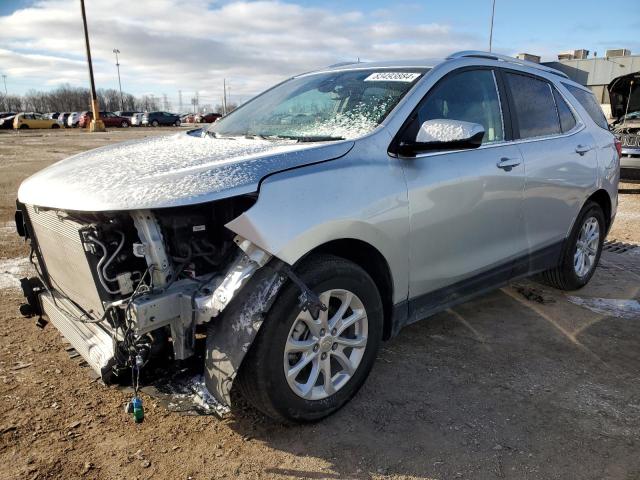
x=465, y=206
x=560, y=164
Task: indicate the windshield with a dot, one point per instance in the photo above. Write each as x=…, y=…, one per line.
x=324, y=106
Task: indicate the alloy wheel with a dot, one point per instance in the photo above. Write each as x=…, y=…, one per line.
x=321, y=356
x=587, y=246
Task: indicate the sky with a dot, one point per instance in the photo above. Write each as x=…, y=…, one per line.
x=192, y=45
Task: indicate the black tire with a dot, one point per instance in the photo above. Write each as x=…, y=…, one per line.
x=177, y=124
x=261, y=380
x=24, y=126
x=55, y=125
x=154, y=123
x=564, y=276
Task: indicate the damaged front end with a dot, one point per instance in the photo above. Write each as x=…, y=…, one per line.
x=122, y=286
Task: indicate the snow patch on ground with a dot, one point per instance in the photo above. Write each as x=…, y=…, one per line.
x=12, y=270
x=621, y=308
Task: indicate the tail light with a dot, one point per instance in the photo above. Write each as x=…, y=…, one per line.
x=618, y=144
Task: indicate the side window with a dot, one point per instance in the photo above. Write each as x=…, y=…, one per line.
x=470, y=96
x=589, y=103
x=567, y=120
x=535, y=107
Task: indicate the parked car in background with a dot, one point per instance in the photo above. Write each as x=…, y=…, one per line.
x=73, y=119
x=624, y=93
x=33, y=120
x=156, y=119
x=207, y=117
x=109, y=119
x=188, y=118
x=136, y=119
x=6, y=120
x=64, y=117
x=320, y=218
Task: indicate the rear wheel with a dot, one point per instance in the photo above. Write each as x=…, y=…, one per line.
x=124, y=124
x=300, y=369
x=177, y=124
x=154, y=123
x=581, y=252
x=24, y=126
x=55, y=125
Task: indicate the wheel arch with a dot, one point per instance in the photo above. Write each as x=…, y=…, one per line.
x=602, y=198
x=370, y=259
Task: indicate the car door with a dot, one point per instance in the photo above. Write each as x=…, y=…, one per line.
x=465, y=205
x=39, y=121
x=560, y=164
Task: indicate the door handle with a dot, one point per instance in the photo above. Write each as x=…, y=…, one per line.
x=508, y=163
x=582, y=149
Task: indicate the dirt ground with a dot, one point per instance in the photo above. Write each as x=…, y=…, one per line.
x=523, y=383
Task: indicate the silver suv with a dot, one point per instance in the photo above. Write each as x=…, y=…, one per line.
x=319, y=219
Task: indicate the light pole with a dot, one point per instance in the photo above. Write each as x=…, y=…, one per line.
x=96, y=124
x=493, y=12
x=116, y=51
x=4, y=79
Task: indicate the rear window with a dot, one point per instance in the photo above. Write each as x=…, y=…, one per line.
x=534, y=105
x=589, y=103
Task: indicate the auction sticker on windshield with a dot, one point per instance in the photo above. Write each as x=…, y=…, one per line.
x=392, y=77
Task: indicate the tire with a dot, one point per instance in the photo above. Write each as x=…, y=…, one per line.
x=124, y=124
x=24, y=127
x=177, y=124
x=55, y=125
x=566, y=276
x=262, y=380
x=154, y=123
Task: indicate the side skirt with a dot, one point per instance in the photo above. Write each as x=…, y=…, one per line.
x=423, y=306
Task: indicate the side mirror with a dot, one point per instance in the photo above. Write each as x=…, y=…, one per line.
x=444, y=134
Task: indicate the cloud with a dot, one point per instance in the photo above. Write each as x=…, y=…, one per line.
x=168, y=45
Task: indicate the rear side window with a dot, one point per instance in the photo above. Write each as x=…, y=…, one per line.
x=534, y=105
x=589, y=103
x=567, y=120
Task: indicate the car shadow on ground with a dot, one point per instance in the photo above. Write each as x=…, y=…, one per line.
x=520, y=383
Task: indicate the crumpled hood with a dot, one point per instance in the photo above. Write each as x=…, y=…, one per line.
x=171, y=171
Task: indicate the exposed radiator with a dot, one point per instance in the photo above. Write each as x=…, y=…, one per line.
x=92, y=341
x=65, y=259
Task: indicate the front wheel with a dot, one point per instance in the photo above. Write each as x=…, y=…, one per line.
x=124, y=124
x=154, y=123
x=300, y=369
x=581, y=252
x=177, y=123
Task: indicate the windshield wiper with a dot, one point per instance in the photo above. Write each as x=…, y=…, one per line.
x=298, y=138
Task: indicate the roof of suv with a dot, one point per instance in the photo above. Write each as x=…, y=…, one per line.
x=432, y=62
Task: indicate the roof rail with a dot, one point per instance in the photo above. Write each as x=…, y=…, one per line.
x=505, y=58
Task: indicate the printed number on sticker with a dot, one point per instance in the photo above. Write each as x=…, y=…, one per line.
x=392, y=77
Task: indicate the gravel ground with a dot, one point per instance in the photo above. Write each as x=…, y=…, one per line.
x=524, y=383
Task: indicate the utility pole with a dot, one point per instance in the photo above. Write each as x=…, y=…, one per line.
x=116, y=51
x=4, y=79
x=493, y=12
x=224, y=96
x=96, y=124
x=179, y=101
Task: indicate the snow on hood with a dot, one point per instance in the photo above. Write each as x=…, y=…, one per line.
x=175, y=170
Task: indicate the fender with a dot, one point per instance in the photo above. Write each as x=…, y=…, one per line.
x=302, y=209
